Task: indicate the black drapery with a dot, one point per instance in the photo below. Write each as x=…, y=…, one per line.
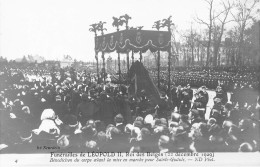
x=136, y=40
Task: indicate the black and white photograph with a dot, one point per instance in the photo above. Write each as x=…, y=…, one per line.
x=136, y=82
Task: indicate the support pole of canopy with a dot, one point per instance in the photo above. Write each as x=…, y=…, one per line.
x=259, y=34
x=127, y=59
x=158, y=75
x=97, y=66
x=141, y=56
x=119, y=69
x=169, y=69
x=104, y=66
x=115, y=64
x=133, y=56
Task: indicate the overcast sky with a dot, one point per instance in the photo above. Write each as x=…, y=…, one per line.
x=53, y=28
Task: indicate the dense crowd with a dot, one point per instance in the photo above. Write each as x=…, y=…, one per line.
x=68, y=111
x=211, y=77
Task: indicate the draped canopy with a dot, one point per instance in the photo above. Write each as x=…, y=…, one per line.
x=136, y=40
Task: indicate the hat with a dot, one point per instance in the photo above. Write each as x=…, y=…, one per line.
x=145, y=132
x=48, y=114
x=204, y=87
x=58, y=97
x=157, y=122
x=63, y=142
x=217, y=100
x=136, y=132
x=91, y=144
x=114, y=132
x=212, y=121
x=227, y=124
x=138, y=124
x=148, y=119
x=91, y=122
x=129, y=128
x=175, y=117
x=164, y=140
x=109, y=126
x=173, y=124
x=161, y=129
x=163, y=121
x=139, y=118
x=43, y=100
x=119, y=118
x=228, y=106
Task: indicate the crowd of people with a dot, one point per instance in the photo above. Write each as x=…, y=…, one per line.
x=211, y=77
x=69, y=111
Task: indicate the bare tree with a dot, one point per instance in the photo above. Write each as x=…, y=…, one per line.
x=246, y=13
x=190, y=40
x=218, y=30
x=175, y=45
x=209, y=24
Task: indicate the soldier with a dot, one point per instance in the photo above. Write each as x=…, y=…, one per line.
x=179, y=96
x=206, y=96
x=190, y=92
x=221, y=95
x=185, y=98
x=174, y=96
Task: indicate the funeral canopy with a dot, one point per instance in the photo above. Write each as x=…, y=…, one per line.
x=136, y=40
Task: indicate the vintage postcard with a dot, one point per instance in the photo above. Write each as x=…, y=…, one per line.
x=129, y=82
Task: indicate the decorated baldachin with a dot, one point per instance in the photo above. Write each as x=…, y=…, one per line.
x=134, y=40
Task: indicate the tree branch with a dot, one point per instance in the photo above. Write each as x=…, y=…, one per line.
x=200, y=21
